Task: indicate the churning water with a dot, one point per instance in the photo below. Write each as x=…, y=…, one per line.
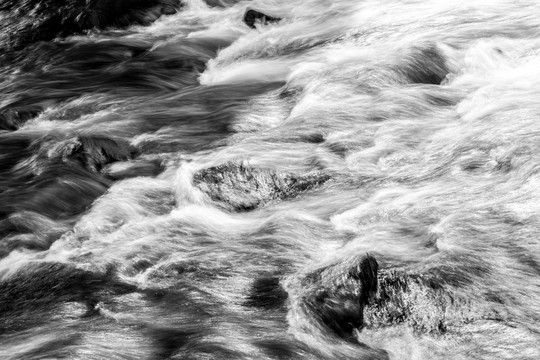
x=193, y=188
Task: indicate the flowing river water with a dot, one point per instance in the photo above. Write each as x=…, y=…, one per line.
x=193, y=188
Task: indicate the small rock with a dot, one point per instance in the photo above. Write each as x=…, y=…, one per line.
x=253, y=16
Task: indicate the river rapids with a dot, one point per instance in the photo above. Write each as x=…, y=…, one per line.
x=317, y=180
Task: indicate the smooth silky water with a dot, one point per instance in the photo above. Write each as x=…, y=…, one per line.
x=423, y=115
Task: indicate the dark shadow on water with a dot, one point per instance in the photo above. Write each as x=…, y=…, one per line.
x=49, y=73
x=29, y=21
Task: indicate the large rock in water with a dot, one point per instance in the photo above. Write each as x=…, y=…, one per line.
x=28, y=21
x=336, y=295
x=252, y=16
x=242, y=188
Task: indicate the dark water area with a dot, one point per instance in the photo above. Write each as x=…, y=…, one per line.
x=269, y=179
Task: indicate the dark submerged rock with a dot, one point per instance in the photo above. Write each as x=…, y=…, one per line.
x=59, y=191
x=425, y=66
x=336, y=297
x=14, y=147
x=266, y=293
x=252, y=16
x=242, y=188
x=30, y=21
x=48, y=285
x=56, y=177
x=50, y=74
x=168, y=341
x=313, y=138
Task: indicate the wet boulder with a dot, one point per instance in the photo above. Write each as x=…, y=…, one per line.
x=251, y=17
x=243, y=188
x=336, y=295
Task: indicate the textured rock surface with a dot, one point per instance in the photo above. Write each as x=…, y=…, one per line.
x=242, y=188
x=420, y=302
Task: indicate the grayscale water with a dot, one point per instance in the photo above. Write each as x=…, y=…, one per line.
x=423, y=117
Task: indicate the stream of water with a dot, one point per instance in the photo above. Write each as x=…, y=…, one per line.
x=412, y=127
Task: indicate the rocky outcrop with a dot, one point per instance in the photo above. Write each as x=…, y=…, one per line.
x=243, y=188
x=251, y=17
x=29, y=21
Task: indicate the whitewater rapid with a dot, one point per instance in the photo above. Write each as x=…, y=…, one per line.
x=414, y=125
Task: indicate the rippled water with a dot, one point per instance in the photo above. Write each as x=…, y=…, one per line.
x=196, y=189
